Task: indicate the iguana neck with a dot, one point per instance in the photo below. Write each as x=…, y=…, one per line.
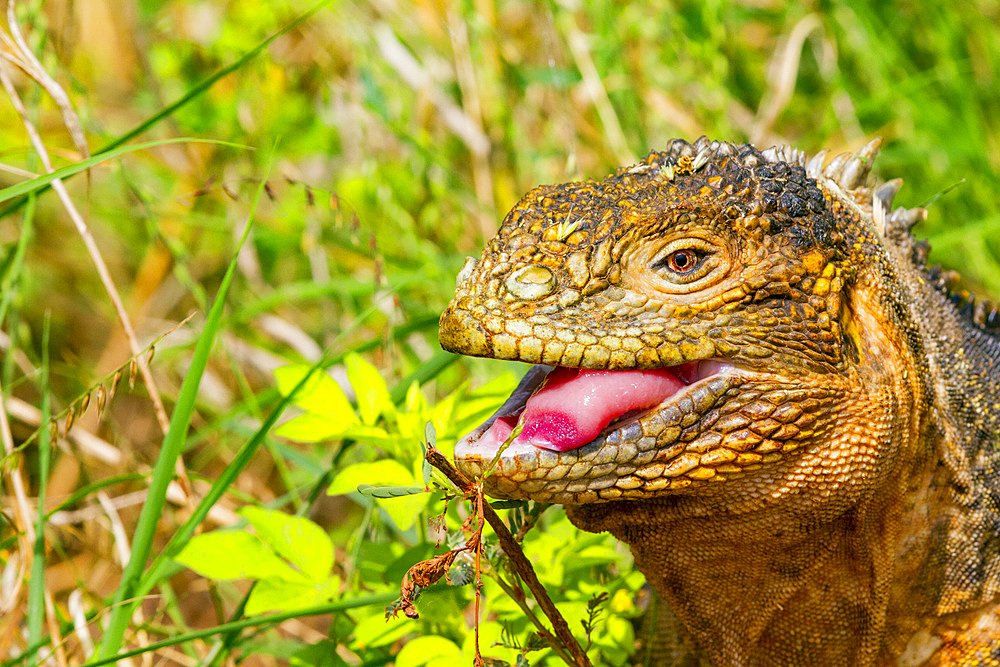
x=803, y=577
x=960, y=373
x=766, y=573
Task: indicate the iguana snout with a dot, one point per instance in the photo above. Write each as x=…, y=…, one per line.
x=742, y=368
x=584, y=436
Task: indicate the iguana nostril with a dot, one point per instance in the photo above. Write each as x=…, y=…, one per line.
x=531, y=282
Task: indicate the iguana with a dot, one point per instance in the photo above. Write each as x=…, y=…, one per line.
x=744, y=369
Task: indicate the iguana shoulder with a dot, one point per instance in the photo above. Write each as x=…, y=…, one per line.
x=760, y=387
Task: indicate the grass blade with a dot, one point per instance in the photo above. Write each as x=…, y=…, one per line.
x=343, y=605
x=39, y=183
x=36, y=585
x=184, y=99
x=163, y=471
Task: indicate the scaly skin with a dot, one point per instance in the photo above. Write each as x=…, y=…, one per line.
x=831, y=498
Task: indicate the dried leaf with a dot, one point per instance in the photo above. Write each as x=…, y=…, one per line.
x=425, y=573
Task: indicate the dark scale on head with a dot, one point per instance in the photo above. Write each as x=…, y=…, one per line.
x=848, y=432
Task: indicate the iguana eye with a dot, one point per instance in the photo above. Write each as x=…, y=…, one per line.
x=683, y=262
x=686, y=261
x=677, y=263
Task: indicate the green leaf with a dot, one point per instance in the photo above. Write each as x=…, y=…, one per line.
x=374, y=435
x=303, y=543
x=402, y=510
x=376, y=630
x=290, y=594
x=370, y=388
x=389, y=491
x=311, y=427
x=414, y=401
x=233, y=554
x=321, y=394
x=422, y=650
x=386, y=471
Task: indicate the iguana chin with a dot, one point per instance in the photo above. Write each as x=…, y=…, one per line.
x=744, y=370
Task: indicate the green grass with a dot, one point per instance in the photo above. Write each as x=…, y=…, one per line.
x=374, y=195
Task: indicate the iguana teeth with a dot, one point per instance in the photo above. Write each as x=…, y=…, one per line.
x=870, y=150
x=886, y=192
x=836, y=167
x=814, y=167
x=855, y=171
x=904, y=218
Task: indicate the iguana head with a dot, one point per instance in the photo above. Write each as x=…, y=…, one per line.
x=692, y=322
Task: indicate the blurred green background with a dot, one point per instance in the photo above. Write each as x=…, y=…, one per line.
x=392, y=138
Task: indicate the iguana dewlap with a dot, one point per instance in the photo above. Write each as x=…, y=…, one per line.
x=807, y=469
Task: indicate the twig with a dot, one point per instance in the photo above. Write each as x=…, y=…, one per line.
x=519, y=562
x=26, y=60
x=23, y=517
x=94, y=252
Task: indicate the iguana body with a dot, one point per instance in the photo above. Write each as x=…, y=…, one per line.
x=817, y=481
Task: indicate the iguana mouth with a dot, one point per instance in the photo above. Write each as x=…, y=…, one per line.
x=562, y=409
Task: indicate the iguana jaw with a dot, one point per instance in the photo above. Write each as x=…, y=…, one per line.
x=640, y=454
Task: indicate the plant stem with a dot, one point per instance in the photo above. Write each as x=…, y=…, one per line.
x=519, y=562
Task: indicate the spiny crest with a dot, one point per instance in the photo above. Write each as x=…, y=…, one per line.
x=847, y=177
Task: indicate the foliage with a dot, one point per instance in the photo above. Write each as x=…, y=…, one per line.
x=289, y=558
x=373, y=146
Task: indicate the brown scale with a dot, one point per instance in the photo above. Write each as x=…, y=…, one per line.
x=838, y=505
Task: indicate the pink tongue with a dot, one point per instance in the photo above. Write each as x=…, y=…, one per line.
x=574, y=405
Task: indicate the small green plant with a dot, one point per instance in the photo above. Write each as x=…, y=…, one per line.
x=289, y=558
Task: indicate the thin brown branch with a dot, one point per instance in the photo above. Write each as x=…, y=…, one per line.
x=33, y=68
x=102, y=269
x=518, y=561
x=24, y=519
